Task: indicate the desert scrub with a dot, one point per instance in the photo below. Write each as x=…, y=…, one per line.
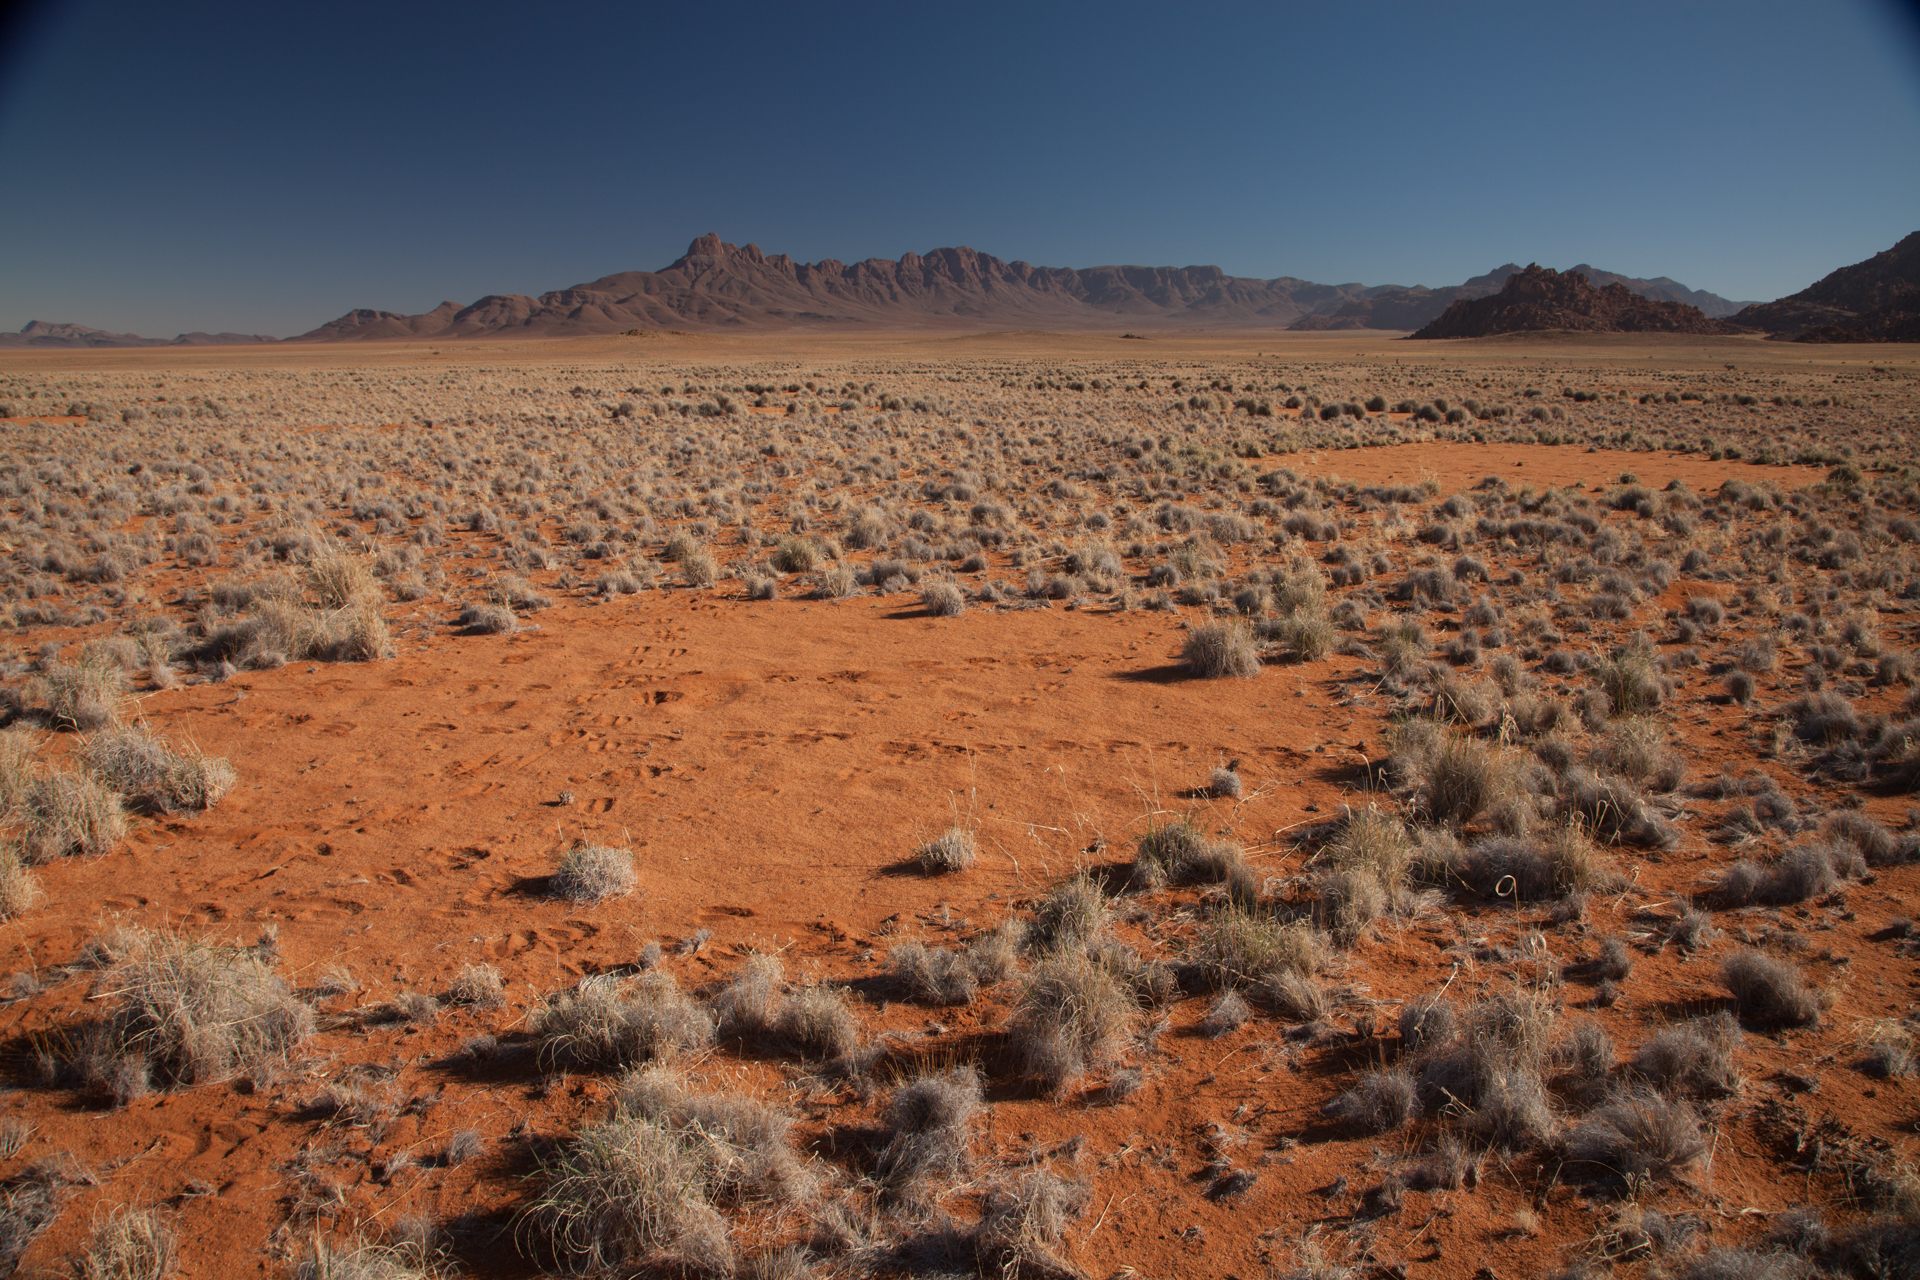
x=1249, y=948
x=929, y=1123
x=950, y=851
x=152, y=775
x=1635, y=1141
x=943, y=598
x=18, y=889
x=129, y=1244
x=1180, y=853
x=1215, y=649
x=488, y=618
x=187, y=1012
x=1630, y=682
x=366, y=1260
x=593, y=873
x=610, y=1023
x=83, y=695
x=1073, y=1015
x=67, y=815
x=645, y=1188
x=1769, y=994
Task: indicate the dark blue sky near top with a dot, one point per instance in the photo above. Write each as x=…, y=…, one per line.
x=265, y=167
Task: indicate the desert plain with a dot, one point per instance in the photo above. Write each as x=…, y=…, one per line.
x=897, y=803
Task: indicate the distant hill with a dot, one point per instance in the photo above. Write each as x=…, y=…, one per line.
x=42, y=333
x=1538, y=299
x=1873, y=301
x=1395, y=307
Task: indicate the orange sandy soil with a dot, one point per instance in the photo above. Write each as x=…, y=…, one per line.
x=771, y=765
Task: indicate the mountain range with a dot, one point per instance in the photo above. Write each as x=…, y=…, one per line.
x=717, y=285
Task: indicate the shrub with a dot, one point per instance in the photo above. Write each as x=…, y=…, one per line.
x=1637, y=1140
x=84, y=695
x=593, y=873
x=152, y=775
x=18, y=888
x=929, y=1121
x=1023, y=1224
x=607, y=1022
x=128, y=1244
x=1694, y=1059
x=1614, y=810
x=69, y=815
x=1180, y=853
x=644, y=1189
x=1630, y=681
x=1072, y=1015
x=1217, y=649
x=933, y=975
x=365, y=1260
x=489, y=619
x=1384, y=1100
x=478, y=986
x=1073, y=914
x=943, y=598
x=1769, y=993
x=1240, y=947
x=819, y=1022
x=191, y=1012
x=950, y=851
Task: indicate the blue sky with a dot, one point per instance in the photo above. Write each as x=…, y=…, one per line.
x=266, y=167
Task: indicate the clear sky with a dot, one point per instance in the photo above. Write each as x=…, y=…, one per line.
x=264, y=167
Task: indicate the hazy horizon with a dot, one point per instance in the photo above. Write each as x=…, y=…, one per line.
x=229, y=168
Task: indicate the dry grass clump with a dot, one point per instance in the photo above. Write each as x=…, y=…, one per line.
x=1630, y=681
x=1215, y=649
x=942, y=976
x=365, y=1260
x=1073, y=1015
x=1075, y=912
x=478, y=986
x=187, y=1012
x=1635, y=1141
x=1453, y=778
x=488, y=618
x=1024, y=1223
x=818, y=1021
x=929, y=1122
x=593, y=873
x=607, y=1022
x=1520, y=869
x=1251, y=949
x=83, y=695
x=1484, y=1068
x=1614, y=810
x=1769, y=994
x=152, y=775
x=18, y=888
x=66, y=815
x=29, y=1202
x=644, y=1190
x=943, y=598
x=1694, y=1059
x=952, y=850
x=1181, y=853
x=1384, y=1099
x=1361, y=873
x=129, y=1244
